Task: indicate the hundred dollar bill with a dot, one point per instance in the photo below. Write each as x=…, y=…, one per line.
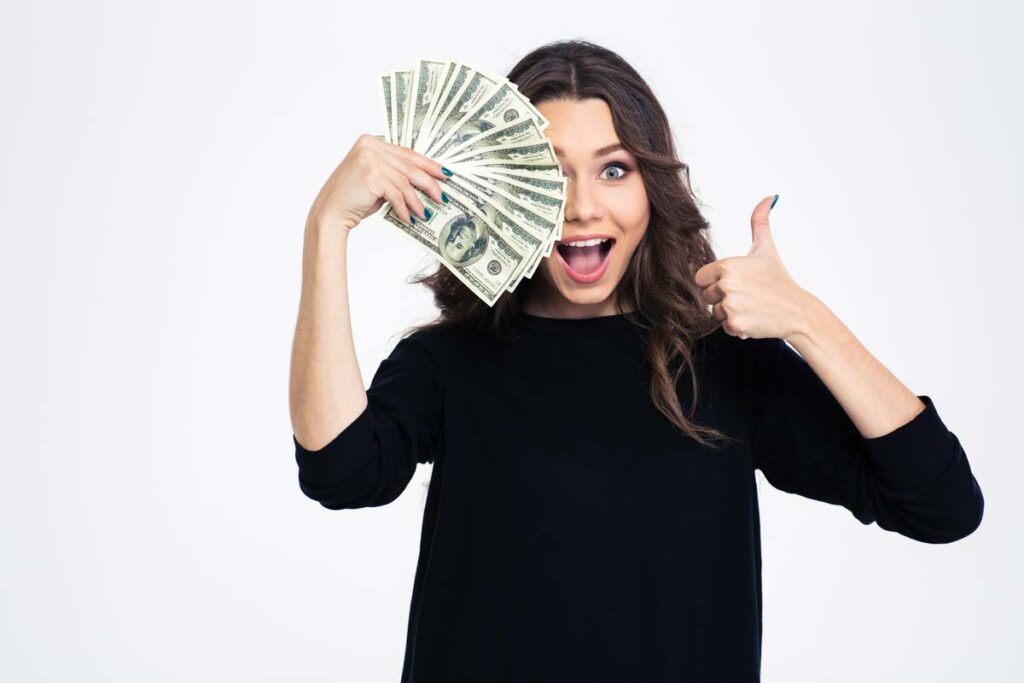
x=385, y=101
x=536, y=153
x=546, y=252
x=461, y=240
x=547, y=203
x=507, y=197
x=553, y=187
x=543, y=195
x=511, y=168
x=401, y=82
x=474, y=91
x=517, y=215
x=521, y=235
x=528, y=189
x=427, y=79
x=514, y=234
x=518, y=219
x=521, y=132
x=457, y=77
x=504, y=105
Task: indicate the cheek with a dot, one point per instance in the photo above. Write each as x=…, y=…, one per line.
x=630, y=211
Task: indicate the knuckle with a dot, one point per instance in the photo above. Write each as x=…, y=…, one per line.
x=363, y=155
x=375, y=179
x=421, y=177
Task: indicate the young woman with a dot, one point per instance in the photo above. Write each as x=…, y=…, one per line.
x=592, y=511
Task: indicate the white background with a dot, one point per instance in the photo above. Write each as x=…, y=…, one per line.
x=158, y=161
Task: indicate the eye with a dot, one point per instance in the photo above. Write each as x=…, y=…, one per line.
x=623, y=168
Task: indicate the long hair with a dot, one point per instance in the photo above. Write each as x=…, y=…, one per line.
x=659, y=279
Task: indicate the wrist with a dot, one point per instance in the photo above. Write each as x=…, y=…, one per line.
x=324, y=242
x=326, y=226
x=817, y=325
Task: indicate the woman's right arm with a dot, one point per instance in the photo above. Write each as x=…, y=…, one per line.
x=326, y=391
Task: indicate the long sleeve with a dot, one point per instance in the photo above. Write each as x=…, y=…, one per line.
x=371, y=461
x=915, y=480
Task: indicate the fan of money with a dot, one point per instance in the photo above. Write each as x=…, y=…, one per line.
x=507, y=194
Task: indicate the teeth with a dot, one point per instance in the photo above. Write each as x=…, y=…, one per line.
x=587, y=243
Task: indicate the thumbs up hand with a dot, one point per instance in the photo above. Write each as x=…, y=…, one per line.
x=754, y=295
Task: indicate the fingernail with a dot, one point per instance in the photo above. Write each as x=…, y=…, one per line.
x=444, y=196
x=773, y=202
x=446, y=172
x=412, y=220
x=427, y=212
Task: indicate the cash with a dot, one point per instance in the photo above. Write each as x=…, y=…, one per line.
x=507, y=194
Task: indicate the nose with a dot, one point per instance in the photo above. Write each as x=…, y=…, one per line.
x=581, y=205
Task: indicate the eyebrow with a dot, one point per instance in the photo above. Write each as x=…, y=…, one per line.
x=597, y=153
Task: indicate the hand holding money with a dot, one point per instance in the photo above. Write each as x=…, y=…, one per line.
x=507, y=195
x=375, y=171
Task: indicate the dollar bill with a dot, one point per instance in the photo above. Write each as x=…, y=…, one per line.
x=537, y=169
x=456, y=79
x=553, y=187
x=503, y=105
x=507, y=195
x=516, y=220
x=465, y=244
x=427, y=79
x=533, y=153
x=401, y=81
x=475, y=90
x=515, y=235
x=521, y=132
x=385, y=101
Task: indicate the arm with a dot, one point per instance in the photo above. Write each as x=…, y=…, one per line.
x=838, y=427
x=354, y=448
x=325, y=388
x=874, y=399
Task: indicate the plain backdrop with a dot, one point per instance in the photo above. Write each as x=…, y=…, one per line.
x=158, y=161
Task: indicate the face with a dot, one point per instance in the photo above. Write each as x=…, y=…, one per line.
x=459, y=242
x=606, y=213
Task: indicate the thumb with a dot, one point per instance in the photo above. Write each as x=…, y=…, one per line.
x=760, y=231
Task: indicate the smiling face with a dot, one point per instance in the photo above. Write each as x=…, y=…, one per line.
x=606, y=200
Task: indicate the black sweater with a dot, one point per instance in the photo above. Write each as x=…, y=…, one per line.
x=571, y=533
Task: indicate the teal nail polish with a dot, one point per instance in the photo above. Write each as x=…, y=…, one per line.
x=412, y=221
x=446, y=172
x=773, y=202
x=444, y=196
x=427, y=212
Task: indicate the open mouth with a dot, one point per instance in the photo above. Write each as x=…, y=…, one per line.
x=585, y=260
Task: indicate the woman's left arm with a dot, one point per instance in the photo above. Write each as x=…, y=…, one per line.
x=874, y=399
x=755, y=296
x=836, y=425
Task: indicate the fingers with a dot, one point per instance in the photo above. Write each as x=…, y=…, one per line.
x=713, y=294
x=422, y=162
x=410, y=201
x=402, y=171
x=416, y=175
x=397, y=201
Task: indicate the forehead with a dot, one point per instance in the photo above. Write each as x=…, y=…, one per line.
x=578, y=127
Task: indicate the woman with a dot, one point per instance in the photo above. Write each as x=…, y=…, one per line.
x=592, y=512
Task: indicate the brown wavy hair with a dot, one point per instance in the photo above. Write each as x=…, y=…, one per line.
x=659, y=279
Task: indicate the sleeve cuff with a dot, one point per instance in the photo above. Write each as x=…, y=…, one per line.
x=915, y=453
x=341, y=460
